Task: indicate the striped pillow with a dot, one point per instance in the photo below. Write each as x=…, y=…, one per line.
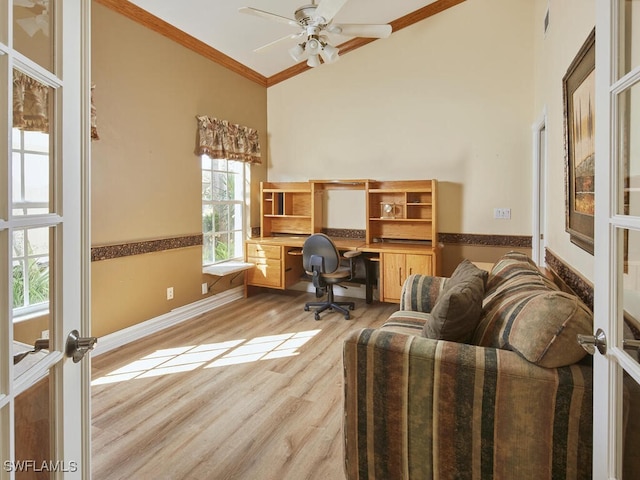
x=546, y=327
x=525, y=312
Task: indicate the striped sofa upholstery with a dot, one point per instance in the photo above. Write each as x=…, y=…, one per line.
x=418, y=408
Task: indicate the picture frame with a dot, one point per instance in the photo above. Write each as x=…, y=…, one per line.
x=578, y=89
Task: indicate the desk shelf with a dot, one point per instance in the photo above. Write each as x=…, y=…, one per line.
x=290, y=208
x=401, y=210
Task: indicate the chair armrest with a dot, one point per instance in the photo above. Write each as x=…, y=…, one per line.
x=422, y=408
x=420, y=292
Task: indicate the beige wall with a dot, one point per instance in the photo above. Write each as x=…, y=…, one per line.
x=571, y=21
x=145, y=176
x=453, y=97
x=450, y=98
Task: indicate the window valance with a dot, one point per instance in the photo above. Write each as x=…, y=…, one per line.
x=30, y=103
x=221, y=139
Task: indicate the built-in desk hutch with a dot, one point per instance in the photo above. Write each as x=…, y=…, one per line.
x=401, y=230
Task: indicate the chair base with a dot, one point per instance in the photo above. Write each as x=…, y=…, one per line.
x=330, y=304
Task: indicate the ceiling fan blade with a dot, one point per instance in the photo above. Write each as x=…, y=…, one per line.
x=361, y=30
x=24, y=3
x=278, y=41
x=268, y=16
x=329, y=8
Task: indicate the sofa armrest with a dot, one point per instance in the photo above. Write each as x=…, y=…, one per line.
x=420, y=292
x=422, y=408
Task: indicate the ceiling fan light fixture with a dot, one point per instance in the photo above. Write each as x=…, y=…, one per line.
x=298, y=52
x=314, y=61
x=329, y=53
x=313, y=46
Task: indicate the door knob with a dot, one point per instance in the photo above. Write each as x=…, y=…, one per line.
x=41, y=344
x=591, y=342
x=628, y=344
x=78, y=346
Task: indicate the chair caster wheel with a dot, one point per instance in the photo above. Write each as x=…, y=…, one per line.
x=352, y=307
x=306, y=309
x=347, y=317
x=317, y=316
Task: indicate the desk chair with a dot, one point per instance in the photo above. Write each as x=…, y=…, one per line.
x=321, y=260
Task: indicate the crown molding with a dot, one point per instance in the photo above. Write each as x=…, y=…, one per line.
x=158, y=25
x=154, y=23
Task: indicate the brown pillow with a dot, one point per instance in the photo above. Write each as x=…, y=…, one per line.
x=544, y=328
x=457, y=312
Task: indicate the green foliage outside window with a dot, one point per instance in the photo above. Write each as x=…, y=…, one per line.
x=37, y=281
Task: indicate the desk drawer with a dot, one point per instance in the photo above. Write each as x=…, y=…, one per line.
x=263, y=251
x=267, y=273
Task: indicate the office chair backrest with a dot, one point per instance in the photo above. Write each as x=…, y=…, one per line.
x=320, y=245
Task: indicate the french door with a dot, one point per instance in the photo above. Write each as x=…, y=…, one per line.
x=617, y=239
x=44, y=244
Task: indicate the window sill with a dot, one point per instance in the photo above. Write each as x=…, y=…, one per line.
x=226, y=268
x=25, y=317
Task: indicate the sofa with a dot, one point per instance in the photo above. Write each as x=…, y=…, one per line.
x=476, y=376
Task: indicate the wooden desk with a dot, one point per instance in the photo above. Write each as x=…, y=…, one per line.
x=279, y=264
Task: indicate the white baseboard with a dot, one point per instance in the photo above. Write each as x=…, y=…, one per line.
x=169, y=319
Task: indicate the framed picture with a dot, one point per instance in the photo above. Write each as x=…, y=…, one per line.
x=578, y=88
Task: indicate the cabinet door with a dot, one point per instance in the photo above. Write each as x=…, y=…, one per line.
x=396, y=267
x=418, y=264
x=393, y=275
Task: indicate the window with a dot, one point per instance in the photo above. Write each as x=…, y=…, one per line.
x=30, y=246
x=223, y=202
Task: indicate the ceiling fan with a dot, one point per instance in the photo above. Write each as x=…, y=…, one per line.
x=38, y=21
x=314, y=21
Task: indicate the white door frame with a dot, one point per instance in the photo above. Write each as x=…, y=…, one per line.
x=608, y=291
x=538, y=242
x=70, y=251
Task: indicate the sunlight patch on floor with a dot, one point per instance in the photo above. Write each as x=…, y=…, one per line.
x=184, y=359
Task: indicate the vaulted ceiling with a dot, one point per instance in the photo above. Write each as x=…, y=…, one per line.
x=217, y=30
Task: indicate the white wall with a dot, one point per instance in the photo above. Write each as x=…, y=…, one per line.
x=449, y=98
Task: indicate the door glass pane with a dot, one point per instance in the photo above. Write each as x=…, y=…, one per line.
x=32, y=275
x=33, y=30
x=33, y=457
x=31, y=146
x=629, y=151
x=630, y=428
x=629, y=41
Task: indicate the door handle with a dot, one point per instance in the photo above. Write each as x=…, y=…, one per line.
x=77, y=346
x=591, y=342
x=40, y=344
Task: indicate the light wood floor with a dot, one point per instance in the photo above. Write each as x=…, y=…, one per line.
x=274, y=418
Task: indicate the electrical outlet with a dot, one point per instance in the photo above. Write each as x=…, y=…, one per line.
x=170, y=293
x=45, y=334
x=205, y=288
x=502, y=213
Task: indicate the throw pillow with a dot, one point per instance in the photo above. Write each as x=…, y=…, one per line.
x=457, y=311
x=466, y=269
x=544, y=329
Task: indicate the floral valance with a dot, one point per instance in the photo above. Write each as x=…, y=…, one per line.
x=221, y=139
x=30, y=103
x=94, y=116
